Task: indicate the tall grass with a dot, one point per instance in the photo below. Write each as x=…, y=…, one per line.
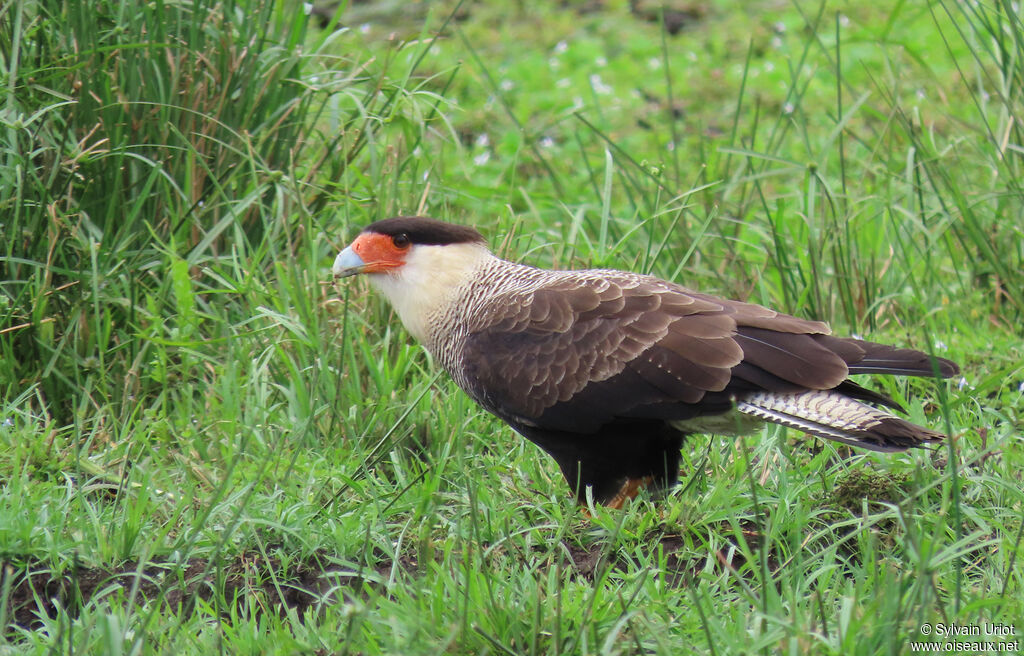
x=140, y=143
x=157, y=159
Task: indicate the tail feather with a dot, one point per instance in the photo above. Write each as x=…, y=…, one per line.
x=855, y=391
x=871, y=358
x=837, y=417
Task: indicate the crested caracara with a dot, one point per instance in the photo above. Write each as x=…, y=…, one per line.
x=608, y=370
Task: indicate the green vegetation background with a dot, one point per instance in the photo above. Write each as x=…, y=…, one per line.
x=205, y=445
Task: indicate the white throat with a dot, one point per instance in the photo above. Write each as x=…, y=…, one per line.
x=430, y=280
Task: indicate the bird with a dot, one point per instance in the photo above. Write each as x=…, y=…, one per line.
x=608, y=371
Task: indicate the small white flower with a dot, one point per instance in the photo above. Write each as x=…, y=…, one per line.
x=601, y=61
x=670, y=146
x=561, y=47
x=563, y=83
x=554, y=62
x=779, y=27
x=365, y=28
x=769, y=67
x=940, y=345
x=546, y=142
x=506, y=85
x=962, y=383
x=307, y=8
x=482, y=158
x=600, y=87
x=654, y=63
x=844, y=20
x=482, y=140
x=1020, y=388
x=788, y=108
x=692, y=56
x=776, y=42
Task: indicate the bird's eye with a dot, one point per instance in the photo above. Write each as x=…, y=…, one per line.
x=401, y=240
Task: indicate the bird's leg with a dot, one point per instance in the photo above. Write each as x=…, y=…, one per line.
x=629, y=490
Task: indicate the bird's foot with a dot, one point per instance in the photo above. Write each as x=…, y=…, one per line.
x=629, y=490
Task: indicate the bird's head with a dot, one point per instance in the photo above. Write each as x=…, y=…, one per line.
x=390, y=245
x=416, y=262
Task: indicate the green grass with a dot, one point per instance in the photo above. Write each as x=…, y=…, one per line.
x=196, y=424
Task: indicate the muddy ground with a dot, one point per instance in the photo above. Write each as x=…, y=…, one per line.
x=35, y=590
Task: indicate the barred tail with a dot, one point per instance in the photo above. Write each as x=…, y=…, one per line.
x=836, y=417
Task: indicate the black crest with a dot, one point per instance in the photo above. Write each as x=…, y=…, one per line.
x=427, y=231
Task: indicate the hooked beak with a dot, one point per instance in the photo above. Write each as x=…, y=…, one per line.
x=348, y=263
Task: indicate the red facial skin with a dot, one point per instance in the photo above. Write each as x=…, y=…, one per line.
x=379, y=252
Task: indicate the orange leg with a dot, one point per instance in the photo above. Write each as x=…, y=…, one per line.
x=629, y=490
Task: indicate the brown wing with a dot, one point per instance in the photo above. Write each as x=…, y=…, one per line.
x=590, y=347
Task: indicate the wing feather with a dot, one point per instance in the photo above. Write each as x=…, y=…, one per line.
x=797, y=358
x=585, y=347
